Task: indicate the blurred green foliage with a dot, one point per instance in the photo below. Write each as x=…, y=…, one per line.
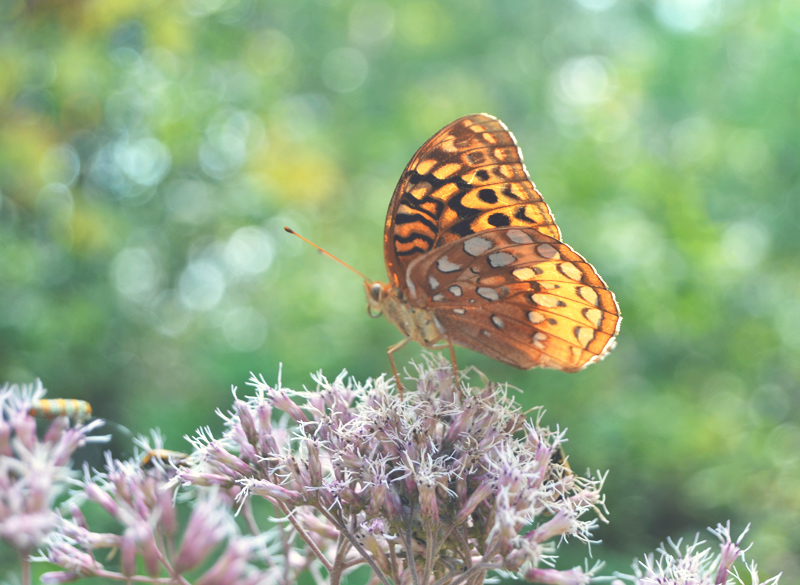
x=151, y=151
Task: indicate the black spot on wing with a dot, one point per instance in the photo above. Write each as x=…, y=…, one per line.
x=462, y=228
x=509, y=192
x=487, y=196
x=520, y=214
x=499, y=220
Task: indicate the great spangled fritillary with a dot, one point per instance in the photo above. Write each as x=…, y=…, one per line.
x=475, y=258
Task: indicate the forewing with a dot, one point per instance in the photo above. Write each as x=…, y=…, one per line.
x=469, y=177
x=518, y=296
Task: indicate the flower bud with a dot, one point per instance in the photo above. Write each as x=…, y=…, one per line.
x=555, y=577
x=206, y=529
x=100, y=496
x=127, y=547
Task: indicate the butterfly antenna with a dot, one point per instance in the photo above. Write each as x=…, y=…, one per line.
x=328, y=254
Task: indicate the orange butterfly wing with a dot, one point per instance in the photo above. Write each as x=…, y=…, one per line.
x=470, y=243
x=518, y=296
x=469, y=177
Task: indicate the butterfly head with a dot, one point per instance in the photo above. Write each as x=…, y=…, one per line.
x=377, y=292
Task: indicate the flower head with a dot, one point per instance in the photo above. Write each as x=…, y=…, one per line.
x=34, y=471
x=695, y=564
x=442, y=481
x=136, y=494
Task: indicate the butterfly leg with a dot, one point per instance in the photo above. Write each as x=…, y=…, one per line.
x=453, y=361
x=448, y=343
x=389, y=353
x=444, y=341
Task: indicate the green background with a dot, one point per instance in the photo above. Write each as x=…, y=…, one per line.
x=151, y=153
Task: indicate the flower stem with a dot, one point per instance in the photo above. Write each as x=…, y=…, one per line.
x=364, y=554
x=304, y=535
x=25, y=570
x=338, y=562
x=408, y=543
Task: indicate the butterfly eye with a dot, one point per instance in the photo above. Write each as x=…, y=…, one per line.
x=375, y=291
x=375, y=296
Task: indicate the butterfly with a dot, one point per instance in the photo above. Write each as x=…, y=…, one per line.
x=475, y=258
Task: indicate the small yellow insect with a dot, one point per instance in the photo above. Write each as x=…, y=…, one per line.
x=166, y=456
x=78, y=410
x=559, y=457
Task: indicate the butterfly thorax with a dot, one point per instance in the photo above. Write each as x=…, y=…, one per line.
x=414, y=322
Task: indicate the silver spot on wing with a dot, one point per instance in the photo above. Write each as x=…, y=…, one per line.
x=476, y=245
x=487, y=293
x=444, y=265
x=500, y=259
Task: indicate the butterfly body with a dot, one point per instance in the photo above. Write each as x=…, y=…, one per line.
x=415, y=322
x=475, y=258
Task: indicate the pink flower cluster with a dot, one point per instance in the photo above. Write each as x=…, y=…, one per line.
x=696, y=564
x=34, y=470
x=442, y=485
x=206, y=548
